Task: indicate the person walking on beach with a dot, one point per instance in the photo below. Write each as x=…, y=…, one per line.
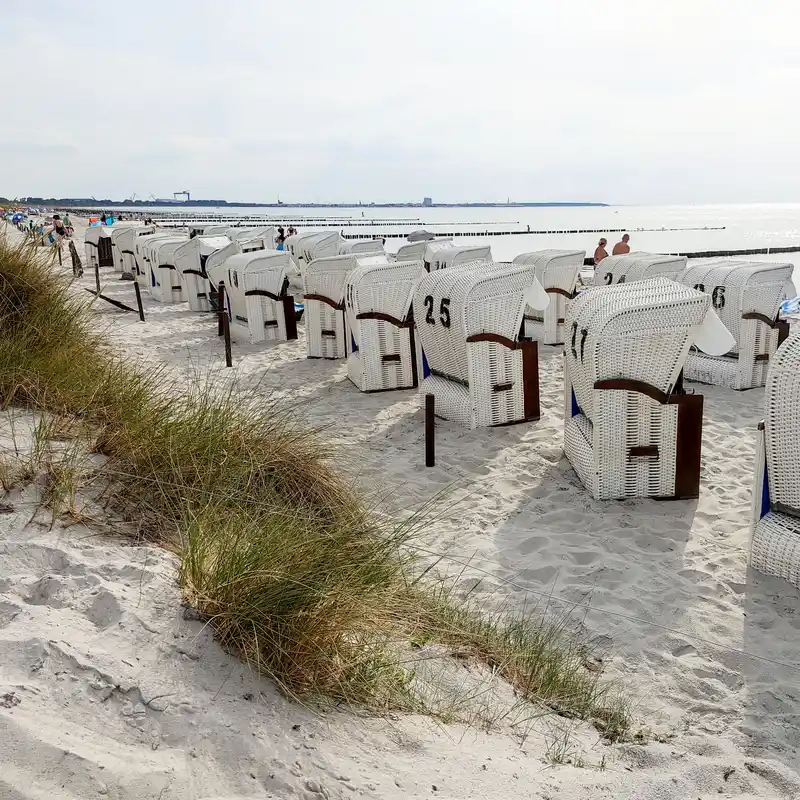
x=622, y=248
x=600, y=252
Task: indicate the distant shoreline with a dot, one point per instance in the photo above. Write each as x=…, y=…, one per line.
x=66, y=202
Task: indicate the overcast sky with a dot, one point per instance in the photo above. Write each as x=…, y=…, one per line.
x=620, y=101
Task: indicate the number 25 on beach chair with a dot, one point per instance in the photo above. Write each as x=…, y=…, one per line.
x=473, y=360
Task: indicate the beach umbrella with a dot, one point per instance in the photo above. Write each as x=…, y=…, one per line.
x=420, y=236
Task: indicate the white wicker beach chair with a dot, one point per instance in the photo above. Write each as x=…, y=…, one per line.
x=164, y=282
x=378, y=295
x=266, y=234
x=441, y=255
x=305, y=247
x=323, y=290
x=775, y=542
x=630, y=430
x=638, y=267
x=123, y=240
x=117, y=232
x=97, y=246
x=190, y=261
x=747, y=296
x=557, y=272
x=415, y=251
x=142, y=245
x=257, y=301
x=206, y=229
x=473, y=360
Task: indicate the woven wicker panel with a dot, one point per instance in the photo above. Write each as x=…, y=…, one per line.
x=638, y=267
x=782, y=424
x=775, y=548
x=492, y=365
x=415, y=251
x=373, y=367
x=361, y=247
x=320, y=245
x=579, y=450
x=266, y=234
x=719, y=371
x=639, y=331
x=453, y=400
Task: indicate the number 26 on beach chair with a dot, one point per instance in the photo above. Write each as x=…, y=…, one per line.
x=474, y=361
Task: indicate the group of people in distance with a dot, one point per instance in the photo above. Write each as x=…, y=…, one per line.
x=621, y=248
x=282, y=236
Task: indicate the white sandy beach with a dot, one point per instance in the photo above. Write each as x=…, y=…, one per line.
x=106, y=690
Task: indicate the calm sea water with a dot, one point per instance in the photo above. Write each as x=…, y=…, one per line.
x=745, y=226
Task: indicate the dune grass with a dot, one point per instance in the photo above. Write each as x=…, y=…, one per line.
x=294, y=569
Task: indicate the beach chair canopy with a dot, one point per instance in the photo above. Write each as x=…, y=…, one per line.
x=94, y=235
x=440, y=255
x=161, y=250
x=640, y=332
x=378, y=286
x=550, y=264
x=318, y=245
x=480, y=299
x=742, y=288
x=415, y=251
x=238, y=271
x=638, y=266
x=361, y=246
x=267, y=233
x=192, y=255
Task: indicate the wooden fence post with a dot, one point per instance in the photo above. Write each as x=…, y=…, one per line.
x=220, y=307
x=139, y=305
x=430, y=429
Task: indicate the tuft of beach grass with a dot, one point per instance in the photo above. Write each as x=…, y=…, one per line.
x=295, y=569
